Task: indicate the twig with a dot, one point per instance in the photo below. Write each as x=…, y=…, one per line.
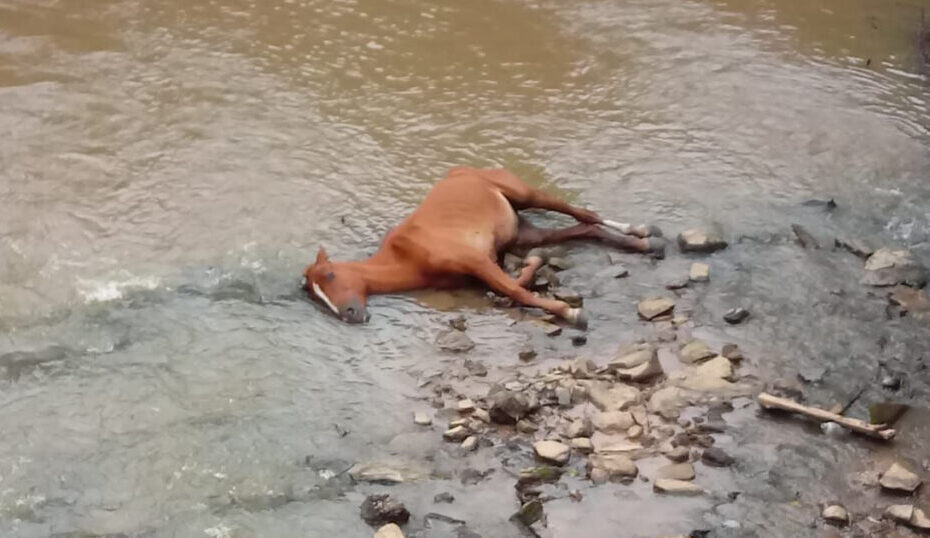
x=878, y=431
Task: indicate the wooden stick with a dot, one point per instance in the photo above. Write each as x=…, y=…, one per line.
x=879, y=431
x=621, y=227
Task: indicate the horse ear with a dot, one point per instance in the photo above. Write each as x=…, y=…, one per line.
x=321, y=256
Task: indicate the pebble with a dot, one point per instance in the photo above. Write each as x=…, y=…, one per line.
x=384, y=472
x=679, y=454
x=476, y=368
x=572, y=297
x=888, y=267
x=613, y=421
x=582, y=444
x=635, y=431
x=699, y=272
x=898, y=477
x=732, y=352
x=616, y=271
x=614, y=465
x=855, y=246
x=580, y=428
x=470, y=443
x=458, y=323
x=549, y=329
x=507, y=407
x=527, y=353
x=422, y=419
x=677, y=283
x=676, y=471
x=466, y=406
x=482, y=415
x=379, y=510
x=735, y=316
x=704, y=241
x=444, y=497
x=526, y=426
x=579, y=340
x=458, y=433
x=716, y=457
x=552, y=451
x=695, y=351
x=670, y=486
x=564, y=396
x=650, y=309
x=454, y=341
x=836, y=514
x=390, y=530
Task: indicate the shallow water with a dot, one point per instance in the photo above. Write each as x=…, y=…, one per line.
x=168, y=168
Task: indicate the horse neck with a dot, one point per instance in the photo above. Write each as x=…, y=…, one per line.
x=385, y=274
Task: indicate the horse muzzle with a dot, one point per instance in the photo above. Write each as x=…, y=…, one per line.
x=354, y=312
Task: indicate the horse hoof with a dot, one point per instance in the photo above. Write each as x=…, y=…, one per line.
x=656, y=247
x=541, y=253
x=578, y=318
x=653, y=231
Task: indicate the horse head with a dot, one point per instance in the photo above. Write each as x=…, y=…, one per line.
x=337, y=286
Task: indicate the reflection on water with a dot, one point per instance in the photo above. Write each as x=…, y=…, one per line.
x=169, y=167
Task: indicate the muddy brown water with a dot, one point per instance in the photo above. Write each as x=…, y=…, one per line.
x=169, y=167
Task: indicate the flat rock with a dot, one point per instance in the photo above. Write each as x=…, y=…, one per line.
x=914, y=301
x=632, y=356
x=695, y=351
x=652, y=308
x=613, y=397
x=391, y=530
x=476, y=368
x=899, y=512
x=552, y=451
x=735, y=316
x=570, y=296
x=855, y=246
x=549, y=329
x=889, y=267
x=836, y=514
x=456, y=433
x=716, y=457
x=582, y=444
x=898, y=477
x=803, y=237
x=920, y=520
x=677, y=471
x=615, y=271
x=643, y=372
x=385, y=472
x=699, y=272
x=710, y=376
x=697, y=240
x=454, y=341
x=670, y=486
x=526, y=353
x=606, y=443
x=507, y=407
x=581, y=368
x=678, y=454
x=465, y=406
x=422, y=419
x=580, y=428
x=379, y=510
x=482, y=415
x=470, y=443
x=616, y=466
x=667, y=401
x=560, y=263
x=732, y=352
x=677, y=283
x=613, y=421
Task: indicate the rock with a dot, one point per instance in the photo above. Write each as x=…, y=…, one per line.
x=604, y=443
x=507, y=407
x=616, y=271
x=716, y=457
x=580, y=428
x=512, y=262
x=803, y=237
x=635, y=431
x=458, y=323
x=701, y=240
x=582, y=368
x=579, y=340
x=476, y=368
x=465, y=406
x=670, y=486
x=552, y=451
x=920, y=520
x=616, y=466
x=855, y=246
x=710, y=376
x=643, y=372
x=914, y=301
x=900, y=512
x=836, y=514
x=470, y=443
x=650, y=309
x=631, y=357
x=699, y=272
x=559, y=263
x=454, y=341
x=667, y=401
x=887, y=267
x=529, y=513
x=570, y=296
x=897, y=477
x=385, y=472
x=582, y=444
x=812, y=374
x=482, y=415
x=598, y=476
x=549, y=329
x=526, y=426
x=732, y=352
x=563, y=396
x=608, y=397
x=527, y=353
x=422, y=419
x=677, y=471
x=695, y=351
x=678, y=454
x=390, y=530
x=677, y=283
x=613, y=421
x=379, y=510
x=444, y=497
x=735, y=316
x=457, y=434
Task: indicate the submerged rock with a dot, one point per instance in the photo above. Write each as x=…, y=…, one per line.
x=888, y=267
x=422, y=419
x=836, y=514
x=570, y=296
x=385, y=472
x=735, y=316
x=667, y=401
x=909, y=515
x=705, y=241
x=897, y=477
x=670, y=486
x=456, y=433
x=650, y=309
x=803, y=237
x=529, y=513
x=444, y=497
x=390, y=530
x=716, y=457
x=526, y=353
x=507, y=407
x=379, y=510
x=454, y=341
x=914, y=301
x=699, y=272
x=855, y=246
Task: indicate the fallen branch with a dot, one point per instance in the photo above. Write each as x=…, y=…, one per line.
x=879, y=431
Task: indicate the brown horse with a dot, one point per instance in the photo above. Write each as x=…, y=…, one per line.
x=465, y=222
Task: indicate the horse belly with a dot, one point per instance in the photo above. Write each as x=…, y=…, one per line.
x=505, y=229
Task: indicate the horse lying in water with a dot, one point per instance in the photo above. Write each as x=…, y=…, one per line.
x=465, y=222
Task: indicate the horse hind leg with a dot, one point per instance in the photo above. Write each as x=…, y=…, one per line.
x=531, y=236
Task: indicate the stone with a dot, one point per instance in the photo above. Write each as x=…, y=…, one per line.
x=898, y=477
x=470, y=443
x=635, y=431
x=695, y=351
x=526, y=426
x=604, y=443
x=476, y=368
x=580, y=428
x=465, y=406
x=914, y=301
x=526, y=353
x=482, y=415
x=677, y=471
x=899, y=512
x=667, y=401
x=670, y=486
x=458, y=323
x=803, y=237
x=616, y=466
x=716, y=457
x=888, y=267
x=613, y=421
x=582, y=444
x=457, y=434
x=643, y=372
x=650, y=309
x=631, y=357
x=615, y=271
x=563, y=396
x=391, y=530
x=920, y=520
x=444, y=497
x=617, y=397
x=703, y=241
x=512, y=262
x=422, y=419
x=855, y=246
x=385, y=472
x=677, y=283
x=454, y=341
x=812, y=374
x=699, y=272
x=378, y=510
x=579, y=340
x=710, y=376
x=507, y=407
x=552, y=451
x=582, y=368
x=732, y=352
x=529, y=513
x=570, y=296
x=678, y=454
x=836, y=514
x=735, y=316
x=598, y=476
x=559, y=263
x=549, y=329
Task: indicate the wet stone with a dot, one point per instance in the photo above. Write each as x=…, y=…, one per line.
x=632, y=356
x=677, y=283
x=507, y=407
x=735, y=316
x=855, y=246
x=616, y=271
x=888, y=267
x=526, y=426
x=384, y=472
x=526, y=353
x=458, y=434
x=678, y=454
x=699, y=272
x=613, y=421
x=580, y=428
x=716, y=457
x=803, y=237
x=552, y=451
x=582, y=444
x=529, y=513
x=570, y=296
x=616, y=466
x=618, y=397
x=458, y=323
x=599, y=476
x=670, y=486
x=422, y=419
x=470, y=443
x=695, y=351
x=836, y=514
x=390, y=530
x=899, y=512
x=579, y=340
x=732, y=352
x=454, y=341
x=476, y=368
x=443, y=498
x=897, y=477
x=650, y=309
x=564, y=397
x=379, y=510
x=703, y=241
x=465, y=406
x=582, y=368
x=678, y=471
x=549, y=329
x=812, y=374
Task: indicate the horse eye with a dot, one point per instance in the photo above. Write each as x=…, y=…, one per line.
x=330, y=276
